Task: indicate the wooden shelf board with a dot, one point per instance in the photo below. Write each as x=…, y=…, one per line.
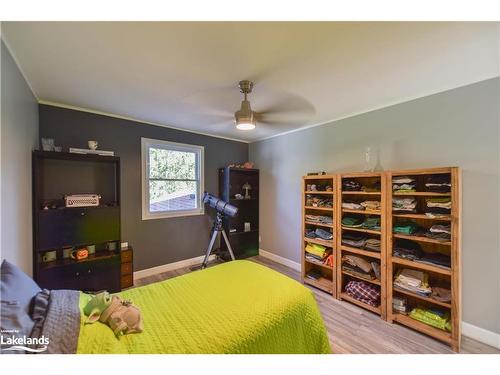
x=427, y=299
x=325, y=284
x=318, y=264
x=361, y=193
x=361, y=174
x=420, y=239
x=318, y=224
x=371, y=254
x=374, y=281
x=362, y=230
x=422, y=171
x=361, y=212
x=330, y=209
x=319, y=177
x=422, y=327
x=319, y=242
x=423, y=216
x=348, y=298
x=424, y=193
x=421, y=266
x=319, y=192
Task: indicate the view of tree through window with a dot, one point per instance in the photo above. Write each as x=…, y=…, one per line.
x=172, y=180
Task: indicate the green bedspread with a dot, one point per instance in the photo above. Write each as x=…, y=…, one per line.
x=235, y=307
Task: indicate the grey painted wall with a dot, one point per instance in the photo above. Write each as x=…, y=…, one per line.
x=19, y=134
x=159, y=241
x=454, y=128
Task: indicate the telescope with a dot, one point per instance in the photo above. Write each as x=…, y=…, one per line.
x=220, y=205
x=222, y=208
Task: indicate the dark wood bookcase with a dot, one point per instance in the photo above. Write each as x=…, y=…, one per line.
x=57, y=228
x=245, y=243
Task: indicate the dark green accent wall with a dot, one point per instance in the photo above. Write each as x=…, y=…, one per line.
x=160, y=241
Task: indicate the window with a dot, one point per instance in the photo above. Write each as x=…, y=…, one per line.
x=172, y=179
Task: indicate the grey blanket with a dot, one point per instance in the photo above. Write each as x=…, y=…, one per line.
x=57, y=317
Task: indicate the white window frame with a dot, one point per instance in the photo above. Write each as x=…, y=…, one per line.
x=146, y=144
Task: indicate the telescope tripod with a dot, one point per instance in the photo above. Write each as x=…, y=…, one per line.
x=216, y=230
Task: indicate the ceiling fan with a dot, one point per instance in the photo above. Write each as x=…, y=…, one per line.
x=288, y=110
x=278, y=109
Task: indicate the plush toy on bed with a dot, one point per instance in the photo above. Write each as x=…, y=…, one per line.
x=121, y=316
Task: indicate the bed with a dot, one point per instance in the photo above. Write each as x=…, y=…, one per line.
x=235, y=307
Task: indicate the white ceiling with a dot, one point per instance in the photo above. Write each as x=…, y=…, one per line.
x=185, y=75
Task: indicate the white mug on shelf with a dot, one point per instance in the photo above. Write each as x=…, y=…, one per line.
x=93, y=145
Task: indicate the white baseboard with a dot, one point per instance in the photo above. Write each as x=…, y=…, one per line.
x=469, y=330
x=286, y=262
x=170, y=267
x=481, y=335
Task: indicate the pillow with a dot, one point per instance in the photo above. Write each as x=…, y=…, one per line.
x=15, y=323
x=15, y=319
x=15, y=285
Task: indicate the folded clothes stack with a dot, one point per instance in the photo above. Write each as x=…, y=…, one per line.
x=314, y=274
x=403, y=184
x=441, y=294
x=372, y=244
x=407, y=227
x=436, y=259
x=319, y=233
x=319, y=254
x=351, y=185
x=363, y=292
x=413, y=281
x=440, y=232
x=438, y=205
x=438, y=183
x=313, y=201
x=372, y=223
x=352, y=221
x=360, y=267
x=412, y=251
x=314, y=187
x=432, y=317
x=352, y=206
x=319, y=219
x=371, y=205
x=354, y=239
x=316, y=251
x=407, y=249
x=400, y=305
x=404, y=205
x=374, y=187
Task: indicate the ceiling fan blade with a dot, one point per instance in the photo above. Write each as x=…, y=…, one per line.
x=289, y=104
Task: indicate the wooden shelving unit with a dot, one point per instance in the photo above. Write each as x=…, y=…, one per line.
x=450, y=277
x=334, y=279
x=365, y=179
x=327, y=282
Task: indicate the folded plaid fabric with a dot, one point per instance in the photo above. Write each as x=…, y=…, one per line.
x=364, y=292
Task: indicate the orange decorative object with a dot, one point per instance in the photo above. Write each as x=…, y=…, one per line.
x=80, y=254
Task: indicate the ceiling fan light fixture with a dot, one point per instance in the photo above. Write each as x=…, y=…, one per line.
x=244, y=118
x=245, y=126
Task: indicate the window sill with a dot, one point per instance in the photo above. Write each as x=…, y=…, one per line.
x=164, y=215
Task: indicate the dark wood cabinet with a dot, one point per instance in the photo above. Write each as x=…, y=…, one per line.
x=127, y=268
x=58, y=229
x=243, y=229
x=93, y=274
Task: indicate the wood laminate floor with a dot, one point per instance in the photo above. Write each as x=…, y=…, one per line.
x=352, y=329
